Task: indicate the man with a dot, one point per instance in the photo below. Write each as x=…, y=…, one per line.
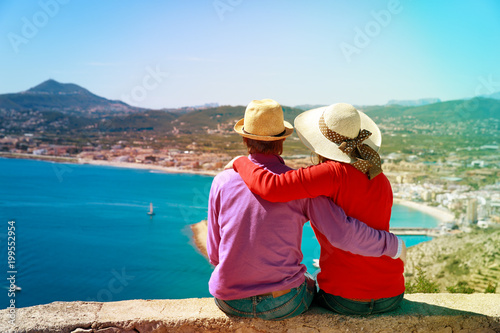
x=255, y=244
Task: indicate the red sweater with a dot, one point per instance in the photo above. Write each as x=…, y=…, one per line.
x=342, y=273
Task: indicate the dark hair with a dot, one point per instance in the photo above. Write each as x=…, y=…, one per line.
x=264, y=147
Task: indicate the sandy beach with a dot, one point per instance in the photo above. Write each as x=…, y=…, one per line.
x=75, y=160
x=442, y=215
x=200, y=229
x=148, y=167
x=200, y=234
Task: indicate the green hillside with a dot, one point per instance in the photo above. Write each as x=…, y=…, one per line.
x=211, y=117
x=69, y=112
x=473, y=258
x=65, y=97
x=451, y=111
x=157, y=121
x=223, y=114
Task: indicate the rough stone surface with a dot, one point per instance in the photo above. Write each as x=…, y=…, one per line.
x=446, y=313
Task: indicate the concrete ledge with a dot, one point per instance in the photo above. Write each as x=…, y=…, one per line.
x=446, y=313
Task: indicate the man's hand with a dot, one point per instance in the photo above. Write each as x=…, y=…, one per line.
x=230, y=164
x=403, y=254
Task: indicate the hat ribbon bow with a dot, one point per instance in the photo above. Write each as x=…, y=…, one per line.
x=367, y=160
x=349, y=145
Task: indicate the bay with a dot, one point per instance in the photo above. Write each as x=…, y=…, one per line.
x=82, y=232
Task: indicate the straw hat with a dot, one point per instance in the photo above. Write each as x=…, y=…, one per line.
x=264, y=121
x=341, y=118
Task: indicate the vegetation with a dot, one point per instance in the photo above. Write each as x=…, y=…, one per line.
x=462, y=287
x=421, y=284
x=491, y=289
x=442, y=140
x=448, y=112
x=461, y=263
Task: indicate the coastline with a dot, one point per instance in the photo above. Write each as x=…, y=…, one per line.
x=200, y=229
x=200, y=234
x=76, y=160
x=442, y=215
x=148, y=167
x=22, y=156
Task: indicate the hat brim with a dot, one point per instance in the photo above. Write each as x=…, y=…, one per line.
x=238, y=128
x=307, y=126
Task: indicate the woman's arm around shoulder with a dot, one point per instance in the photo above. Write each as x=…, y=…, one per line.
x=310, y=182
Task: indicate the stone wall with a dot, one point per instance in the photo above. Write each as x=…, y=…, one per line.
x=444, y=313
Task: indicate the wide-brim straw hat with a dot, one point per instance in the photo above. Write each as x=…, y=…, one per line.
x=264, y=121
x=341, y=118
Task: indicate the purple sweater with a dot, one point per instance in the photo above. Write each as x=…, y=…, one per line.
x=255, y=244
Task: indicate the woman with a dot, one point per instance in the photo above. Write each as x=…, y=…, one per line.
x=346, y=142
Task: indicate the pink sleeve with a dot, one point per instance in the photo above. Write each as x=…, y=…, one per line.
x=213, y=234
x=347, y=233
x=307, y=182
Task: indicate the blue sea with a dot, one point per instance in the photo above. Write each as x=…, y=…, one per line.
x=82, y=233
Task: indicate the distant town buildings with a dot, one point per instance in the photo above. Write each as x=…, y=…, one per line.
x=470, y=207
x=471, y=213
x=462, y=179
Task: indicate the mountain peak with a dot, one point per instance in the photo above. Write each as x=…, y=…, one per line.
x=63, y=97
x=53, y=87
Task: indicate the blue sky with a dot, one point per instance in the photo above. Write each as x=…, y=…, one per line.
x=177, y=53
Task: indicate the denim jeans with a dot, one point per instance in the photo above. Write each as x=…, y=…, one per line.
x=267, y=307
x=348, y=307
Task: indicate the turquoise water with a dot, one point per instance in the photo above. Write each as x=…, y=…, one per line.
x=82, y=232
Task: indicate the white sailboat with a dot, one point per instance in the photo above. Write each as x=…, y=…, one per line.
x=151, y=212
